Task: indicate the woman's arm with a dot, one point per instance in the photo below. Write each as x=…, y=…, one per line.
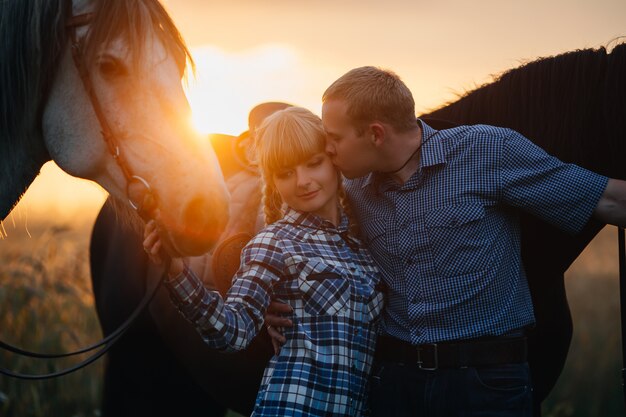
x=229, y=324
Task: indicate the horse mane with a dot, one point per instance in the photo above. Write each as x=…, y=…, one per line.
x=564, y=103
x=32, y=40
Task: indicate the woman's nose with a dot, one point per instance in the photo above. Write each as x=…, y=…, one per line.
x=303, y=179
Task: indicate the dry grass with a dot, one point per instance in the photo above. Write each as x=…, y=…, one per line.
x=46, y=305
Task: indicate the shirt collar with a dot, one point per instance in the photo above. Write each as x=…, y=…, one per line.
x=313, y=221
x=431, y=154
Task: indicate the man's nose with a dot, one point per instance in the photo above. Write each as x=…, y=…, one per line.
x=330, y=149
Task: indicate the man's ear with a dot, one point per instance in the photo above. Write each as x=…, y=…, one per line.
x=377, y=134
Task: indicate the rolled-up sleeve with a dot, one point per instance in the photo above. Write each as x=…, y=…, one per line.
x=562, y=194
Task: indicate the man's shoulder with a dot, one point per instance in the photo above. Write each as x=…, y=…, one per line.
x=476, y=132
x=480, y=138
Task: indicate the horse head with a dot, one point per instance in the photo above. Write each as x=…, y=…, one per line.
x=125, y=122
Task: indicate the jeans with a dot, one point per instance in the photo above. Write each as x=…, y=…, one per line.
x=494, y=391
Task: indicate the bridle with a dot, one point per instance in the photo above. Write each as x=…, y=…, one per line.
x=113, y=145
x=111, y=140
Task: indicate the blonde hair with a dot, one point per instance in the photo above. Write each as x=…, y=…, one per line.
x=287, y=138
x=374, y=94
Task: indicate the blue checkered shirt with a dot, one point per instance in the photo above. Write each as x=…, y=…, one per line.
x=448, y=240
x=330, y=280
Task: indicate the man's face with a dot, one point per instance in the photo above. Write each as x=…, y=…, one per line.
x=350, y=151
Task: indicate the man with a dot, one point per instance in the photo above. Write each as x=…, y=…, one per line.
x=438, y=210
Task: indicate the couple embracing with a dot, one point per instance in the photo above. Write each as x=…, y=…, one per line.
x=395, y=249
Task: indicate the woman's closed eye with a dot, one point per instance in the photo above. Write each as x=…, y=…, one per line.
x=315, y=162
x=284, y=174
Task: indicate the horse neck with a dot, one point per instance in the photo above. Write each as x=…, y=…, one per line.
x=18, y=168
x=571, y=105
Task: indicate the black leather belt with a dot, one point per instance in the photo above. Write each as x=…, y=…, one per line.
x=454, y=354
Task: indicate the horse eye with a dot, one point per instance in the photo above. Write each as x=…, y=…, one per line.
x=110, y=68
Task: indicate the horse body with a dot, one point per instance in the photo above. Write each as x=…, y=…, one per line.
x=573, y=106
x=135, y=59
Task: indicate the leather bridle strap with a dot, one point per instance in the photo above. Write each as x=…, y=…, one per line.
x=79, y=62
x=110, y=138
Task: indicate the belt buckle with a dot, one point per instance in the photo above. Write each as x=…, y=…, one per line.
x=420, y=363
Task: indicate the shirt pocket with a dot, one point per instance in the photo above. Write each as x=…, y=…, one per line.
x=325, y=290
x=456, y=237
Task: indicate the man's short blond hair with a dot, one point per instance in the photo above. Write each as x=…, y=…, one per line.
x=374, y=94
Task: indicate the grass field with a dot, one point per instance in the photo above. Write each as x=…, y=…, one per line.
x=46, y=305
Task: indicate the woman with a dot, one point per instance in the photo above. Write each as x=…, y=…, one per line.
x=306, y=257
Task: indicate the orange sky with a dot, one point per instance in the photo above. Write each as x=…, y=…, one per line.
x=249, y=51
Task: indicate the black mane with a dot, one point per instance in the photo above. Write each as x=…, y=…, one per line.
x=564, y=103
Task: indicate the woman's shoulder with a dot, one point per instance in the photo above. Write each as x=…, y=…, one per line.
x=273, y=234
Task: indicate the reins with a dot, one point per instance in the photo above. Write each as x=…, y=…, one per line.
x=622, y=295
x=105, y=343
x=113, y=146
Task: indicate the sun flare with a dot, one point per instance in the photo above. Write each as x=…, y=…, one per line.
x=228, y=84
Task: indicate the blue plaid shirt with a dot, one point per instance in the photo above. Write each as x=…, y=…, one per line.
x=330, y=281
x=448, y=240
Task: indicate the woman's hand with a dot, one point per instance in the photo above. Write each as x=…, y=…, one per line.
x=152, y=245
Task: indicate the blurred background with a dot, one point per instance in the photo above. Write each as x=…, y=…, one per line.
x=247, y=52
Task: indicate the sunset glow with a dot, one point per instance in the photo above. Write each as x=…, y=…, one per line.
x=249, y=52
x=228, y=84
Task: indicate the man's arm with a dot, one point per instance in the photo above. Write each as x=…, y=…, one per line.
x=611, y=208
x=275, y=321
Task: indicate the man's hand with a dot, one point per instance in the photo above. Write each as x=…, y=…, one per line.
x=275, y=323
x=611, y=208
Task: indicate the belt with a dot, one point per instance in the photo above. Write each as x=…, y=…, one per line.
x=453, y=354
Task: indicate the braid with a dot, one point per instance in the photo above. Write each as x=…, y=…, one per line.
x=271, y=204
x=353, y=227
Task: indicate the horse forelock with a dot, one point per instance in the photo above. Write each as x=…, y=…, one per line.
x=133, y=20
x=570, y=104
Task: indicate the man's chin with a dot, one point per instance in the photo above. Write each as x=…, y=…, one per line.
x=350, y=174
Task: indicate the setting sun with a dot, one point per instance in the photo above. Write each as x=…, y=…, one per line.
x=228, y=84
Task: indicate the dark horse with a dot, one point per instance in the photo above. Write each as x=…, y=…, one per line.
x=573, y=105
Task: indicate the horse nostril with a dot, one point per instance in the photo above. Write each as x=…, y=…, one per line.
x=196, y=214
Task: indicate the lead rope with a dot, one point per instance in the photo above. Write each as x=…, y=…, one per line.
x=622, y=293
x=107, y=343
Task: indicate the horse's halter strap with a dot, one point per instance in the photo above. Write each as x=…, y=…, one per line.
x=112, y=142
